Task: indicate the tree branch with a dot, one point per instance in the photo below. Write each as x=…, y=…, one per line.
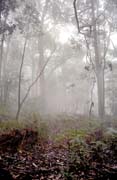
x=36, y=79
x=76, y=15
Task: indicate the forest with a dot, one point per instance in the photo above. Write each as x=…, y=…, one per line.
x=58, y=89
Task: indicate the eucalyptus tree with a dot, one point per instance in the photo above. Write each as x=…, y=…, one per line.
x=31, y=25
x=94, y=24
x=27, y=22
x=52, y=14
x=7, y=27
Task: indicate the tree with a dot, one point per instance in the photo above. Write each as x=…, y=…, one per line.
x=93, y=25
x=25, y=26
x=6, y=29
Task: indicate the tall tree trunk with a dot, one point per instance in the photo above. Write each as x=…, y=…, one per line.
x=42, y=60
x=42, y=78
x=6, y=83
x=34, y=92
x=101, y=94
x=20, y=80
x=1, y=58
x=99, y=67
x=1, y=65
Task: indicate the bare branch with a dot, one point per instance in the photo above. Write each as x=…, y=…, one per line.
x=87, y=25
x=76, y=15
x=36, y=79
x=21, y=67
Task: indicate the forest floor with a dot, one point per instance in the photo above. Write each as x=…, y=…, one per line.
x=75, y=155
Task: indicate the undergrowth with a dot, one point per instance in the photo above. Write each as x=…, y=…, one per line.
x=69, y=150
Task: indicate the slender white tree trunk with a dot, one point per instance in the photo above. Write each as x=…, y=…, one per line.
x=99, y=67
x=101, y=94
x=42, y=78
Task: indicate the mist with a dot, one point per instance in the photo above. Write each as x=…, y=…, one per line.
x=58, y=89
x=58, y=57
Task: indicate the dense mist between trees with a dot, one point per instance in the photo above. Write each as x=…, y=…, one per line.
x=58, y=58
x=58, y=89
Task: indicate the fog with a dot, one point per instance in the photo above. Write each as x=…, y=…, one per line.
x=58, y=57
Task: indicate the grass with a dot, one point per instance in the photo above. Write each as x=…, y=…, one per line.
x=33, y=122
x=56, y=128
x=10, y=125
x=79, y=143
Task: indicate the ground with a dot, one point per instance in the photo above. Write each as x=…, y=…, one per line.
x=71, y=155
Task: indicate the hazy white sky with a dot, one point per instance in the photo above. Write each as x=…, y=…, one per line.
x=114, y=38
x=65, y=32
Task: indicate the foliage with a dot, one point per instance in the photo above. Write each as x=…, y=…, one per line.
x=78, y=159
x=82, y=155
x=5, y=8
x=18, y=139
x=28, y=21
x=70, y=135
x=71, y=126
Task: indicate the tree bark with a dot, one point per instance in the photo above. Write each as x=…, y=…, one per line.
x=101, y=94
x=1, y=58
x=30, y=87
x=5, y=80
x=98, y=60
x=42, y=82
x=1, y=65
x=42, y=78
x=19, y=83
x=99, y=67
